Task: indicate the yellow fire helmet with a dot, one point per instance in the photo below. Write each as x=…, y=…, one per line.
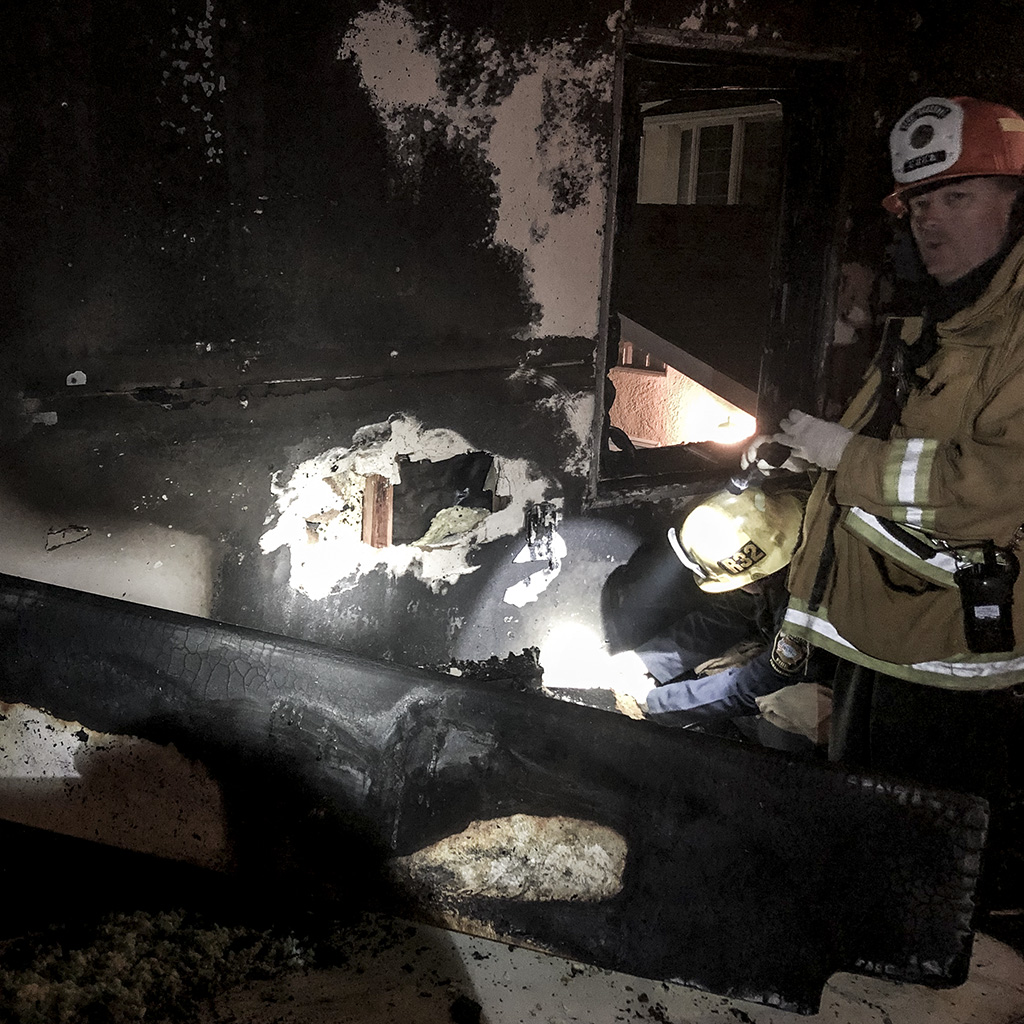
x=733, y=539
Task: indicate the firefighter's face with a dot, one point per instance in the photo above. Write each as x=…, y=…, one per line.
x=959, y=226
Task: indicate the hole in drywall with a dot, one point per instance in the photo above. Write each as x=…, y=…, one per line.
x=465, y=481
x=321, y=508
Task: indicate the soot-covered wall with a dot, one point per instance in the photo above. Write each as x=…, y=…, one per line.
x=252, y=241
x=310, y=189
x=258, y=254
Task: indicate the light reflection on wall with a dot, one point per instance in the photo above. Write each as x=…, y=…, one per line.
x=574, y=657
x=668, y=408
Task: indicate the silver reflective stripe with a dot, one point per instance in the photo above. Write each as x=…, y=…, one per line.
x=690, y=564
x=965, y=673
x=906, y=489
x=939, y=567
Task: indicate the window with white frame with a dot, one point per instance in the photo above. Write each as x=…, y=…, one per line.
x=636, y=358
x=711, y=157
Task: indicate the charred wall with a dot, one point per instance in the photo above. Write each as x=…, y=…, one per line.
x=247, y=241
x=293, y=189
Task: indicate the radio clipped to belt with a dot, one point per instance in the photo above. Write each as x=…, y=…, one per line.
x=986, y=594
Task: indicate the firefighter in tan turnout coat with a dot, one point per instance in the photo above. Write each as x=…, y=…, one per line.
x=908, y=568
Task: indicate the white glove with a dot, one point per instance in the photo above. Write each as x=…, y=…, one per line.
x=818, y=441
x=749, y=458
x=740, y=654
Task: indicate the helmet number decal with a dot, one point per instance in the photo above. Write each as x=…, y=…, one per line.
x=747, y=556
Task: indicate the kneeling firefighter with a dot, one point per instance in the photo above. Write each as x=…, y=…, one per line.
x=726, y=655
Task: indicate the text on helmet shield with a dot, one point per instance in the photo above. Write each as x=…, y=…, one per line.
x=747, y=556
x=924, y=160
x=939, y=110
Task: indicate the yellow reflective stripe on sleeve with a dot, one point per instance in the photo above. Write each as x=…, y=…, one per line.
x=926, y=503
x=905, y=479
x=892, y=473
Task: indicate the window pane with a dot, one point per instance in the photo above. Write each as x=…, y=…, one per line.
x=659, y=162
x=638, y=359
x=762, y=157
x=713, y=165
x=685, y=149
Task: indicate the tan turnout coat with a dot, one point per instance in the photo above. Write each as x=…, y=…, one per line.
x=950, y=474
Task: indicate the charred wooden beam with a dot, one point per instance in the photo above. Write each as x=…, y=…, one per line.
x=609, y=841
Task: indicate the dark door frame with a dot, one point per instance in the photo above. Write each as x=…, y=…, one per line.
x=818, y=119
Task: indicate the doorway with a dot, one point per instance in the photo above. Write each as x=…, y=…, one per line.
x=725, y=222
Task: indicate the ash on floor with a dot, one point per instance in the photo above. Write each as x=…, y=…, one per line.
x=175, y=966
x=416, y=974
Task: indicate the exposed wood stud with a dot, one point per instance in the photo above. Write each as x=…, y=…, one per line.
x=378, y=502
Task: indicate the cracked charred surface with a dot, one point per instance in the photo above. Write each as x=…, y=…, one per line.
x=746, y=872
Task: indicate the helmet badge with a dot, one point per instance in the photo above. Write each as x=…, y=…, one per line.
x=926, y=140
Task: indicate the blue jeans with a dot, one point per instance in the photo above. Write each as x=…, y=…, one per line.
x=728, y=694
x=703, y=632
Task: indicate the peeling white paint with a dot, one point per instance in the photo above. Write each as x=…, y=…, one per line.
x=528, y=590
x=404, y=81
x=333, y=560
x=199, y=83
x=522, y=857
x=578, y=410
x=373, y=40
x=563, y=248
x=562, y=245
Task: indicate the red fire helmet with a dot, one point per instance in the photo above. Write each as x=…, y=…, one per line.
x=961, y=137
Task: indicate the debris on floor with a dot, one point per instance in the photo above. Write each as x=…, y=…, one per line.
x=133, y=967
x=178, y=966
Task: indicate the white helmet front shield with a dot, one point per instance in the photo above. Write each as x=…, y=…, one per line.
x=926, y=140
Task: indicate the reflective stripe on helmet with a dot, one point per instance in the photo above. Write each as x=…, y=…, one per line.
x=690, y=564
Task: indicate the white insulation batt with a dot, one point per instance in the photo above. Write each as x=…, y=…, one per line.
x=317, y=512
x=522, y=857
